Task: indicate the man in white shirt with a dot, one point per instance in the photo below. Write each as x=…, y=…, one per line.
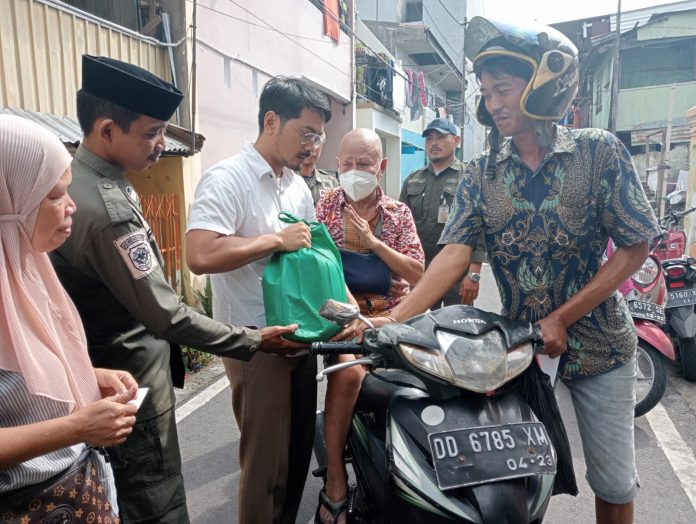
x=232, y=231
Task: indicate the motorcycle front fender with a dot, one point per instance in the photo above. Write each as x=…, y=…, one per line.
x=682, y=320
x=653, y=335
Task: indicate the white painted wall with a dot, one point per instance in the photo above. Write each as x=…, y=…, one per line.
x=239, y=47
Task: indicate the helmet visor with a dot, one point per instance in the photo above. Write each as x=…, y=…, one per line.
x=483, y=33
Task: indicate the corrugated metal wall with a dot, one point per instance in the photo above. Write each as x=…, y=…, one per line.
x=40, y=54
x=651, y=104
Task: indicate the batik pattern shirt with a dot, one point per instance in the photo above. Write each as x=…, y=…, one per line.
x=398, y=230
x=545, y=233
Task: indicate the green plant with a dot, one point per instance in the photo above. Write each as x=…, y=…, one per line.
x=195, y=360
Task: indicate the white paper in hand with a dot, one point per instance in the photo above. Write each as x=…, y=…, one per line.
x=549, y=366
x=139, y=397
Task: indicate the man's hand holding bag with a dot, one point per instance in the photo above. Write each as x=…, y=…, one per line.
x=296, y=283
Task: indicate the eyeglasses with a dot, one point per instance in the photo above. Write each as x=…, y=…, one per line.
x=312, y=138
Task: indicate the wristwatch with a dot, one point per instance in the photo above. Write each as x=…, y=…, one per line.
x=475, y=277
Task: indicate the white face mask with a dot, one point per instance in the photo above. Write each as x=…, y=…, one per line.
x=358, y=185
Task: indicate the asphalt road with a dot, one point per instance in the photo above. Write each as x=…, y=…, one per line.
x=665, y=442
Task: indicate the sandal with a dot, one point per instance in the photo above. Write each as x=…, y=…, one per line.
x=335, y=508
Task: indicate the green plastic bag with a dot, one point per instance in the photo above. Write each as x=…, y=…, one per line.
x=295, y=284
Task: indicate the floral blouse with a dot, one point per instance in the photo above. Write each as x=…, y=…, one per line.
x=398, y=231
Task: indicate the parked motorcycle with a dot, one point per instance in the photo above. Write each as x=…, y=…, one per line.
x=680, y=276
x=429, y=442
x=646, y=294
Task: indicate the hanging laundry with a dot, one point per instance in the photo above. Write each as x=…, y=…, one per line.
x=417, y=107
x=421, y=86
x=408, y=88
x=379, y=81
x=332, y=27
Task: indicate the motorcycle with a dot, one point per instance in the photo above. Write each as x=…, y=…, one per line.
x=646, y=294
x=680, y=276
x=430, y=442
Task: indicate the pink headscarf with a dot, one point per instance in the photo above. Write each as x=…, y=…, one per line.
x=41, y=335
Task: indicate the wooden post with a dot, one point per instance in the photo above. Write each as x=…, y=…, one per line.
x=660, y=190
x=664, y=155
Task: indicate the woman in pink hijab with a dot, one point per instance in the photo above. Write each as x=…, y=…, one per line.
x=54, y=407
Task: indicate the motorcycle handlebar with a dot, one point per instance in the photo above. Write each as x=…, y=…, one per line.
x=674, y=216
x=336, y=348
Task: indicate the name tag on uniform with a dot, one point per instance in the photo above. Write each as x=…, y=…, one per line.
x=136, y=252
x=442, y=213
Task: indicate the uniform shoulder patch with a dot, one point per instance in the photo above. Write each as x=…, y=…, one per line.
x=136, y=252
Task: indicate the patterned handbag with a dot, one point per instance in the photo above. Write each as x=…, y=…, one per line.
x=75, y=496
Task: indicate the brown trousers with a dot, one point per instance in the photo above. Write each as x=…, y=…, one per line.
x=274, y=401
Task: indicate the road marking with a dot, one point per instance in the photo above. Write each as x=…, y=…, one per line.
x=675, y=449
x=201, y=398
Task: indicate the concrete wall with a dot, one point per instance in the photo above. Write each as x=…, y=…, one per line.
x=241, y=46
x=444, y=18
x=371, y=116
x=380, y=10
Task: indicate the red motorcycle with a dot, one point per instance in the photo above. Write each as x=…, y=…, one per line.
x=646, y=295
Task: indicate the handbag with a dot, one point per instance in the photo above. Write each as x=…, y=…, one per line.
x=295, y=285
x=365, y=273
x=75, y=495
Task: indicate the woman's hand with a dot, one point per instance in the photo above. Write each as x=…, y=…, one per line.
x=113, y=382
x=399, y=288
x=106, y=422
x=367, y=238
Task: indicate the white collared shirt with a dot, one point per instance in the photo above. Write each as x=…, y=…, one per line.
x=241, y=196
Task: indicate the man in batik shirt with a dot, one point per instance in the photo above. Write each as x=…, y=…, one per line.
x=546, y=201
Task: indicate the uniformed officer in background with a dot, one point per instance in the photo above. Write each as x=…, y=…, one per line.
x=429, y=193
x=112, y=269
x=317, y=180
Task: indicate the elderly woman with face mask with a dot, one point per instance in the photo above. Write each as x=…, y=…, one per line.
x=382, y=257
x=52, y=411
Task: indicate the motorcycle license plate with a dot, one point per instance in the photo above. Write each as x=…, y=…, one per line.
x=681, y=297
x=647, y=310
x=465, y=457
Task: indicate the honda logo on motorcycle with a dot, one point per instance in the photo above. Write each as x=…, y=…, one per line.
x=468, y=321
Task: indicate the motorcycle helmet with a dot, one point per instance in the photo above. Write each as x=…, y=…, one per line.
x=552, y=57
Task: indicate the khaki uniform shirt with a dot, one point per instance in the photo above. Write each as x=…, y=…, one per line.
x=111, y=267
x=319, y=182
x=425, y=193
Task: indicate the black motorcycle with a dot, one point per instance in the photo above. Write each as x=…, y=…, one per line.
x=435, y=436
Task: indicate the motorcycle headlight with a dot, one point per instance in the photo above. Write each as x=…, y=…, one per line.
x=647, y=273
x=429, y=360
x=478, y=363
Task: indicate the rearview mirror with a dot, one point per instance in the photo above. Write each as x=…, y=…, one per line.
x=339, y=313
x=675, y=196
